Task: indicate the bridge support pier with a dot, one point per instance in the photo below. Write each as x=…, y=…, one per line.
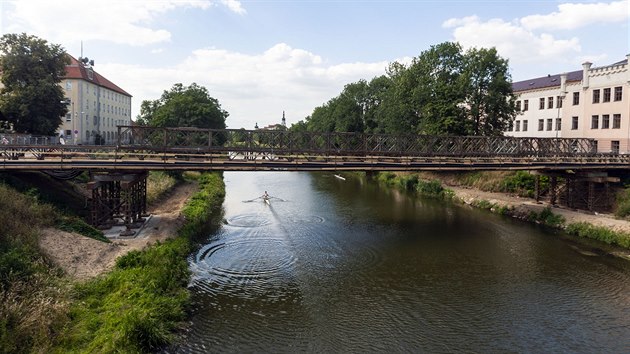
x=118, y=199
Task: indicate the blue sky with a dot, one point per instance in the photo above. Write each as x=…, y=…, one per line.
x=259, y=58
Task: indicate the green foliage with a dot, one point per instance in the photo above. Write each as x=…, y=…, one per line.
x=622, y=209
x=159, y=183
x=445, y=90
x=433, y=189
x=599, y=233
x=137, y=306
x=78, y=225
x=413, y=183
x=31, y=98
x=31, y=306
x=547, y=217
x=523, y=183
x=184, y=106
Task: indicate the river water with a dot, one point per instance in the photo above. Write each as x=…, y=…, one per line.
x=335, y=265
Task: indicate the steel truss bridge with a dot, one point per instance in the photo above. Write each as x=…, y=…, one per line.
x=148, y=148
x=578, y=174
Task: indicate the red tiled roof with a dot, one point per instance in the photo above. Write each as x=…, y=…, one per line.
x=76, y=70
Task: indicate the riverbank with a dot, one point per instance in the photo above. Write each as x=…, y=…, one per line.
x=83, y=258
x=576, y=222
x=141, y=302
x=597, y=231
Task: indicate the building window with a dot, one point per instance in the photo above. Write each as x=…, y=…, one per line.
x=559, y=101
x=616, y=121
x=558, y=124
x=525, y=105
x=595, y=122
x=576, y=98
x=518, y=105
x=549, y=124
x=524, y=125
x=606, y=95
x=549, y=102
x=541, y=125
x=618, y=91
x=68, y=117
x=69, y=85
x=596, y=96
x=594, y=146
x=605, y=121
x=574, y=123
x=614, y=146
x=541, y=103
x=517, y=125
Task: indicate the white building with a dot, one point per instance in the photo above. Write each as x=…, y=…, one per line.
x=95, y=105
x=590, y=103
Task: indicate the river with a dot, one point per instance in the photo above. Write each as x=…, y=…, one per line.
x=334, y=265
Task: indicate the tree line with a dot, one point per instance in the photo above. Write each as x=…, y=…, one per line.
x=443, y=91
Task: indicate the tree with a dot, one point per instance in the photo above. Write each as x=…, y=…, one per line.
x=184, y=106
x=490, y=103
x=32, y=99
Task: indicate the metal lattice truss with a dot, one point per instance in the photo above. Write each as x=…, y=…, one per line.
x=150, y=148
x=346, y=144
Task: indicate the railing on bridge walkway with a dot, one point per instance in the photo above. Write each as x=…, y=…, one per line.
x=342, y=144
x=146, y=148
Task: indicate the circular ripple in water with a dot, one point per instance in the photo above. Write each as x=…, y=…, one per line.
x=248, y=220
x=313, y=219
x=244, y=267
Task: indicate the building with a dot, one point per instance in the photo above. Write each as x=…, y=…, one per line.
x=96, y=106
x=590, y=103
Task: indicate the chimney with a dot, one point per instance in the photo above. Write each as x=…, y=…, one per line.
x=586, y=67
x=563, y=84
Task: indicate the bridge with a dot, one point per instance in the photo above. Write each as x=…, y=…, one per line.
x=118, y=172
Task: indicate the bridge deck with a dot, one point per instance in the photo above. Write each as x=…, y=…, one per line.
x=145, y=148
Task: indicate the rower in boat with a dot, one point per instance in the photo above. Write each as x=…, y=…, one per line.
x=266, y=197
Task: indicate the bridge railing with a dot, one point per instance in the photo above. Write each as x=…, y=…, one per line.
x=27, y=139
x=344, y=144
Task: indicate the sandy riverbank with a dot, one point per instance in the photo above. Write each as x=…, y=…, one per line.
x=82, y=257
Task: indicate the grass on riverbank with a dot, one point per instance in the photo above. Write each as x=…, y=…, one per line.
x=520, y=182
x=33, y=301
x=137, y=306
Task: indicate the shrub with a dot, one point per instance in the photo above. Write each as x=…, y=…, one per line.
x=599, y=233
x=78, y=225
x=623, y=204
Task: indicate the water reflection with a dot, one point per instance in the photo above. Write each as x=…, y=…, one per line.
x=339, y=266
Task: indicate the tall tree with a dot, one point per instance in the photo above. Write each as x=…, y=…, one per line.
x=32, y=99
x=490, y=102
x=184, y=106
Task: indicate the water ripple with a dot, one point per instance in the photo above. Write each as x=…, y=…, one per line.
x=248, y=220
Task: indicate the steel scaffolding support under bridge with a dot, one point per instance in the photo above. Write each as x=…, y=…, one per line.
x=118, y=199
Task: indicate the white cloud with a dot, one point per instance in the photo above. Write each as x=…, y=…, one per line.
x=123, y=21
x=234, y=5
x=530, y=42
x=511, y=40
x=572, y=16
x=252, y=88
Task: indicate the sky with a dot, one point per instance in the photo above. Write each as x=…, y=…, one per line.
x=259, y=58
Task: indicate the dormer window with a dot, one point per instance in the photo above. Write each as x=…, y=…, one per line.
x=90, y=74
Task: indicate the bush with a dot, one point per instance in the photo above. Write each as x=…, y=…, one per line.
x=611, y=237
x=523, y=183
x=78, y=225
x=623, y=204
